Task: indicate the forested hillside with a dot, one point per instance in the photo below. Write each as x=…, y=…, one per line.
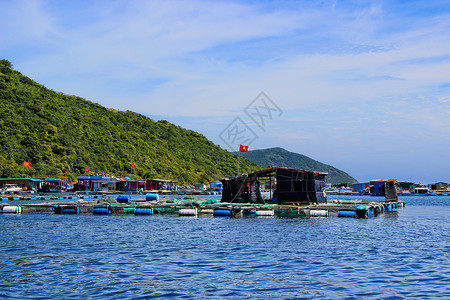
x=59, y=133
x=279, y=157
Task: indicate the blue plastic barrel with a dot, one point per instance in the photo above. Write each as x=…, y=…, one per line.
x=143, y=211
x=249, y=211
x=222, y=212
x=123, y=198
x=70, y=210
x=101, y=211
x=152, y=197
x=347, y=214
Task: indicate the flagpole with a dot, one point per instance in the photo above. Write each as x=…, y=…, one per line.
x=239, y=155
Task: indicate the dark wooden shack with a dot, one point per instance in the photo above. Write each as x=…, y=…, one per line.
x=290, y=186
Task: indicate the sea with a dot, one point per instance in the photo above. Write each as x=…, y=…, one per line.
x=402, y=254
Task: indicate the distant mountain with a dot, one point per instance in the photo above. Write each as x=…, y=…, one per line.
x=279, y=157
x=62, y=135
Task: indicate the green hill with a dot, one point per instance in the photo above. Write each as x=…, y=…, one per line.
x=279, y=157
x=59, y=133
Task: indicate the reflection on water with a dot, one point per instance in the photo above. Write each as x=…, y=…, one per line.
x=402, y=254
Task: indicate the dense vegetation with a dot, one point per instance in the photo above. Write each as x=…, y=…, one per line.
x=278, y=157
x=59, y=133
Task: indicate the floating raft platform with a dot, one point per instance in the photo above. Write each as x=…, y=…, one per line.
x=17, y=197
x=192, y=208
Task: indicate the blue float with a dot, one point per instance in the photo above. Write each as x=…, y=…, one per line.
x=389, y=207
x=249, y=211
x=143, y=211
x=347, y=214
x=123, y=198
x=70, y=210
x=222, y=212
x=152, y=197
x=101, y=211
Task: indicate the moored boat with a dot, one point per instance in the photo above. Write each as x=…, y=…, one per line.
x=11, y=188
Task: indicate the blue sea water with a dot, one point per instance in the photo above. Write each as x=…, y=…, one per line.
x=397, y=255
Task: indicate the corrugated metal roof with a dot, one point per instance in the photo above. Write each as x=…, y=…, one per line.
x=267, y=171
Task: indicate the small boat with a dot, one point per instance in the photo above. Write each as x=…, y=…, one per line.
x=50, y=188
x=11, y=188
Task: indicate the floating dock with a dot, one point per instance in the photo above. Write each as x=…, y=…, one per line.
x=19, y=197
x=201, y=207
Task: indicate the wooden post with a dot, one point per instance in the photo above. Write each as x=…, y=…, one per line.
x=270, y=191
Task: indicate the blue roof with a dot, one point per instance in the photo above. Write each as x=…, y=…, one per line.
x=94, y=178
x=30, y=179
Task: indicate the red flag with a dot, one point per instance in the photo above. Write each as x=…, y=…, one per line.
x=243, y=148
x=86, y=170
x=26, y=163
x=133, y=165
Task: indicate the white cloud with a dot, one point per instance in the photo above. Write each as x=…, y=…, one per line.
x=386, y=67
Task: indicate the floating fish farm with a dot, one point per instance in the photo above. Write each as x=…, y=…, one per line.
x=296, y=194
x=202, y=207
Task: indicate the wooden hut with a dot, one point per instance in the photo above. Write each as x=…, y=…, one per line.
x=290, y=186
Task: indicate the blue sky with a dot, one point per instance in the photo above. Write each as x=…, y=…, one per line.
x=363, y=85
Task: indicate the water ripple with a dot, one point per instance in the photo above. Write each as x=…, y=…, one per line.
x=401, y=255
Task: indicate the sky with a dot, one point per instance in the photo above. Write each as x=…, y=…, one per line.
x=363, y=86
